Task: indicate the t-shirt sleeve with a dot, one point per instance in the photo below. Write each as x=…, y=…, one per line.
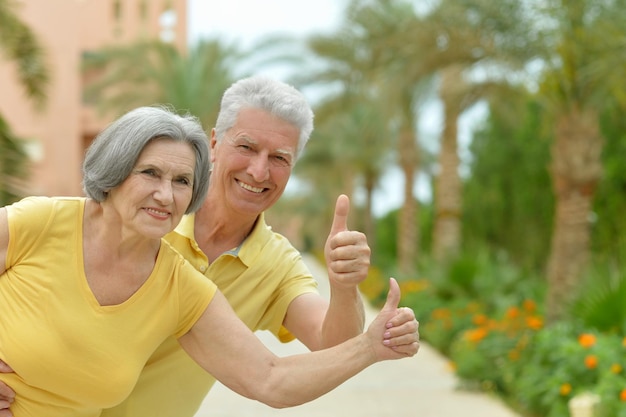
x=195, y=294
x=28, y=219
x=298, y=280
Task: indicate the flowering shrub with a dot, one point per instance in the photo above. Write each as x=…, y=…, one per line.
x=565, y=361
x=486, y=320
x=489, y=352
x=536, y=368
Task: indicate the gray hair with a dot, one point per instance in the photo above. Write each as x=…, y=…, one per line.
x=275, y=97
x=114, y=152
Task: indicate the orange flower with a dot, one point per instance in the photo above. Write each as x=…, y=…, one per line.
x=412, y=286
x=513, y=355
x=591, y=361
x=622, y=395
x=565, y=389
x=534, y=322
x=476, y=335
x=529, y=305
x=479, y=319
x=616, y=368
x=512, y=312
x=587, y=340
x=441, y=313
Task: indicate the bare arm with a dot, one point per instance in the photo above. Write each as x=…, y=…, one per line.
x=348, y=259
x=317, y=322
x=223, y=346
x=6, y=394
x=4, y=238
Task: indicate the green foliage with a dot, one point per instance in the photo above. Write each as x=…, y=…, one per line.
x=508, y=200
x=480, y=275
x=450, y=296
x=487, y=316
x=488, y=352
x=154, y=72
x=601, y=304
x=386, y=253
x=19, y=44
x=609, y=226
x=13, y=165
x=579, y=361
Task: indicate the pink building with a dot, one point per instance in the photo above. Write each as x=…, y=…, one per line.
x=59, y=134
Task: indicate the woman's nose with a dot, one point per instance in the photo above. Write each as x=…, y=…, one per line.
x=164, y=193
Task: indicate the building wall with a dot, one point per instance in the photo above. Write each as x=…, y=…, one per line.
x=66, y=29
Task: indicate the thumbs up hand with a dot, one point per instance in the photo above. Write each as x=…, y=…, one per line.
x=394, y=332
x=346, y=252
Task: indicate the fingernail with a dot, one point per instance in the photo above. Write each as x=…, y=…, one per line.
x=387, y=335
x=386, y=342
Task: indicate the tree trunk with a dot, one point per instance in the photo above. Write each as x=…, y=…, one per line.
x=447, y=227
x=370, y=230
x=407, y=224
x=576, y=169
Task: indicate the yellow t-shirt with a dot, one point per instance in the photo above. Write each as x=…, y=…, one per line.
x=260, y=279
x=71, y=356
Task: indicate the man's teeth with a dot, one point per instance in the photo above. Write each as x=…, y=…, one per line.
x=250, y=188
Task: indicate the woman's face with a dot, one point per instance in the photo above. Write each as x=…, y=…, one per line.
x=156, y=194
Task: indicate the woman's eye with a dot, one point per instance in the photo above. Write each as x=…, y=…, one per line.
x=184, y=181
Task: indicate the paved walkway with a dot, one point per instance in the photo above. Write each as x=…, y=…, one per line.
x=421, y=386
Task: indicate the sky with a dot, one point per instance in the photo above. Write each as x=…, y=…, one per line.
x=246, y=21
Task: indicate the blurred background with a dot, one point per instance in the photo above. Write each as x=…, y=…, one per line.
x=480, y=142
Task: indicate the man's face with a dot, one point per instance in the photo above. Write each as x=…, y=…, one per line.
x=253, y=162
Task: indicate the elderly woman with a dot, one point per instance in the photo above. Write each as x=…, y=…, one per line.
x=88, y=288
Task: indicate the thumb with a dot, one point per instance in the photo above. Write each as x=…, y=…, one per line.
x=340, y=221
x=393, y=296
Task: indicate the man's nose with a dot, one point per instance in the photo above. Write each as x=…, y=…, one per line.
x=259, y=168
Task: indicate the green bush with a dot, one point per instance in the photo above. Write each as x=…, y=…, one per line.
x=486, y=316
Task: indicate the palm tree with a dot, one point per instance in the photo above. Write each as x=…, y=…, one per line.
x=19, y=44
x=13, y=165
x=349, y=149
x=584, y=73
x=361, y=63
x=153, y=72
x=455, y=41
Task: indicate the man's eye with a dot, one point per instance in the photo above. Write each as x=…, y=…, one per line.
x=150, y=172
x=281, y=161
